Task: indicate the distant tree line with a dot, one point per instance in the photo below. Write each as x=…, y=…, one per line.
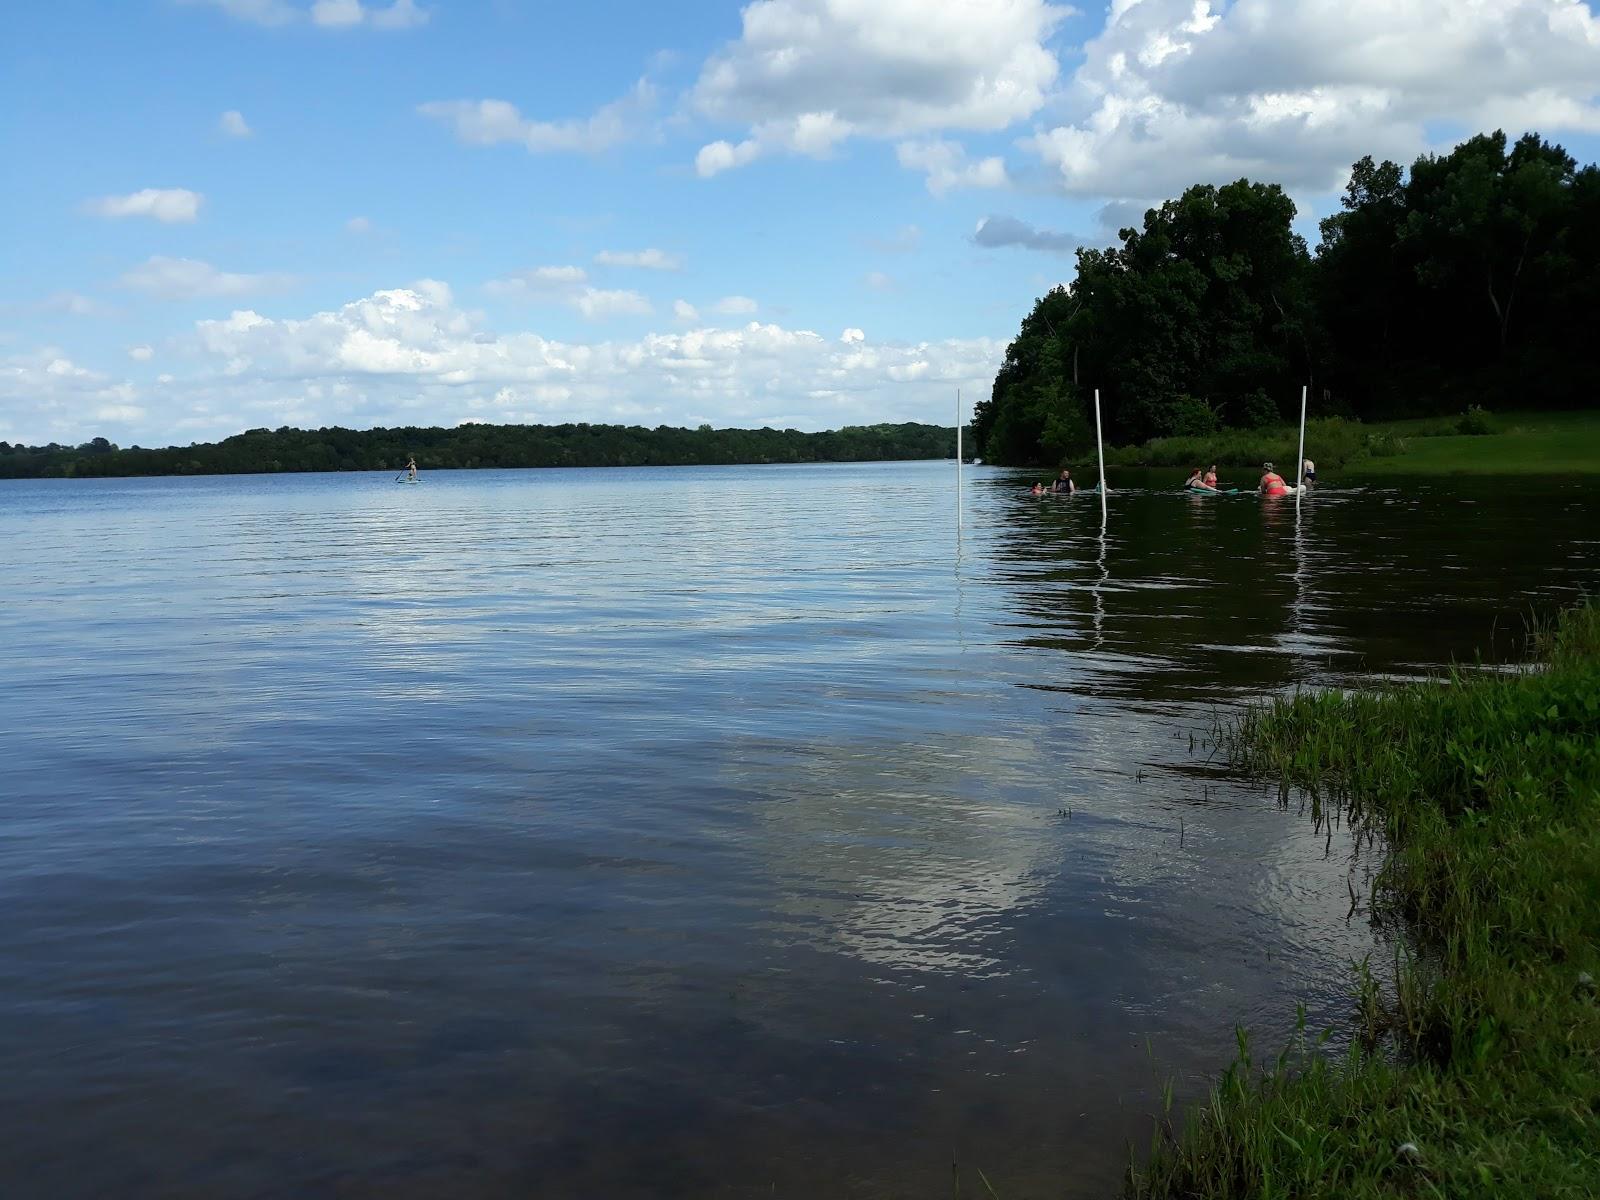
x=475, y=445
x=1472, y=279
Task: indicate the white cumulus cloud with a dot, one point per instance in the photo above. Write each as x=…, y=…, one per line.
x=233, y=124
x=569, y=285
x=358, y=225
x=75, y=303
x=491, y=122
x=650, y=260
x=805, y=75
x=46, y=397
x=717, y=157
x=323, y=14
x=599, y=303
x=946, y=165
x=410, y=356
x=347, y=14
x=190, y=279
x=735, y=306
x=1174, y=92
x=256, y=12
x=169, y=205
x=685, y=311
x=540, y=283
x=141, y=353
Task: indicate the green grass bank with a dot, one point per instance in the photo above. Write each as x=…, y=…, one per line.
x=1477, y=1074
x=1474, y=443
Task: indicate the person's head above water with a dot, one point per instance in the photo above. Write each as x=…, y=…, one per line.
x=1066, y=474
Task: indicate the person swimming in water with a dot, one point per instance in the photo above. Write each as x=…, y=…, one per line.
x=1038, y=490
x=1197, y=482
x=1272, y=483
x=1064, y=483
x=1210, y=479
x=1308, y=471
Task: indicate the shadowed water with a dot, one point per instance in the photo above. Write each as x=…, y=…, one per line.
x=682, y=832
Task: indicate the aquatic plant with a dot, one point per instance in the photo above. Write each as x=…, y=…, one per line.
x=1478, y=1070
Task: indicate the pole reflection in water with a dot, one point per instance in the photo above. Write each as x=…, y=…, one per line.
x=1099, y=588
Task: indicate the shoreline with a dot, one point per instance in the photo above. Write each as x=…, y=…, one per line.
x=1478, y=1071
x=1511, y=445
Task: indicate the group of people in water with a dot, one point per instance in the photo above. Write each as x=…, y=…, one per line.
x=1271, y=484
x=1062, y=485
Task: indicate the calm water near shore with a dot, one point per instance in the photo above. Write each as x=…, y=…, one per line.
x=683, y=832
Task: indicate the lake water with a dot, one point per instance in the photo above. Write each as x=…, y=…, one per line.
x=683, y=832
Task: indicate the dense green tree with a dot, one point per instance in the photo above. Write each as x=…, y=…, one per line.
x=1486, y=227
x=1364, y=290
x=1036, y=410
x=580, y=445
x=1474, y=278
x=1180, y=326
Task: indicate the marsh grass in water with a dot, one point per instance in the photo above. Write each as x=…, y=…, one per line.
x=1477, y=1072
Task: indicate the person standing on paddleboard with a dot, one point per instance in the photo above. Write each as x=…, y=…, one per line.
x=1272, y=483
x=411, y=467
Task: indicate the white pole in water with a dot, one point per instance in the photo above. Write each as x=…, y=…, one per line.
x=958, y=458
x=1300, y=462
x=1101, y=447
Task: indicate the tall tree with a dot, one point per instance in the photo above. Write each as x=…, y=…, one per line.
x=1180, y=326
x=1486, y=227
x=1363, y=288
x=1474, y=278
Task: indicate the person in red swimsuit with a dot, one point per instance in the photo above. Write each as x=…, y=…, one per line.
x=1272, y=483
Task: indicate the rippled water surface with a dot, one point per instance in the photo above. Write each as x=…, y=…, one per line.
x=686, y=832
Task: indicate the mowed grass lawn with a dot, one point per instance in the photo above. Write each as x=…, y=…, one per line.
x=1566, y=443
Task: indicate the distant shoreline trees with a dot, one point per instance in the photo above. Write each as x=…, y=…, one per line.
x=1472, y=279
x=480, y=445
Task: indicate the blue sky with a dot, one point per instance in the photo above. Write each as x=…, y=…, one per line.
x=230, y=213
